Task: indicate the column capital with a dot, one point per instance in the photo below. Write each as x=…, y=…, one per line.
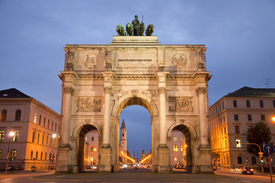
x=68, y=89
x=162, y=90
x=201, y=90
x=107, y=90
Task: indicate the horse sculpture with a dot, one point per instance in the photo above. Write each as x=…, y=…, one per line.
x=120, y=30
x=150, y=30
x=129, y=29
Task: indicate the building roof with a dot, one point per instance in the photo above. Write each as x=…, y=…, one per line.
x=123, y=125
x=12, y=93
x=253, y=92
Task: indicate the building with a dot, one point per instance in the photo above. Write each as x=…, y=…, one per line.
x=100, y=81
x=177, y=148
x=230, y=117
x=91, y=148
x=123, y=142
x=36, y=130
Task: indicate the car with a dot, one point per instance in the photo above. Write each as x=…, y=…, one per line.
x=94, y=167
x=247, y=170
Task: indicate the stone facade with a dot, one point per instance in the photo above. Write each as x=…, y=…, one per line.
x=34, y=125
x=230, y=117
x=100, y=81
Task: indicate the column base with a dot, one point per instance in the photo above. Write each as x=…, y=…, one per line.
x=164, y=166
x=62, y=164
x=105, y=159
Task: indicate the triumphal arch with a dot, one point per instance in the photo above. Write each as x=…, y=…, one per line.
x=100, y=81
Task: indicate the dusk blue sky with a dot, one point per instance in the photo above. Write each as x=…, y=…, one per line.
x=239, y=35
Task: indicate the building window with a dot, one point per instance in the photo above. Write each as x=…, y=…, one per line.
x=44, y=121
x=41, y=155
x=262, y=117
x=13, y=154
x=92, y=149
x=1, y=153
x=122, y=134
x=261, y=104
x=273, y=103
x=47, y=140
x=33, y=136
x=248, y=103
x=16, y=136
x=51, y=142
x=175, y=139
x=237, y=129
x=4, y=115
x=234, y=103
x=2, y=135
x=55, y=127
x=43, y=139
x=45, y=156
x=240, y=160
x=58, y=128
x=52, y=125
x=175, y=148
x=238, y=143
x=34, y=118
x=253, y=159
x=36, y=156
x=38, y=136
x=17, y=115
x=40, y=120
x=236, y=117
x=92, y=138
x=48, y=124
x=249, y=117
x=31, y=154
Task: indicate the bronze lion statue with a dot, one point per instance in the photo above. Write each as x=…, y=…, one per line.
x=141, y=29
x=120, y=30
x=129, y=29
x=150, y=29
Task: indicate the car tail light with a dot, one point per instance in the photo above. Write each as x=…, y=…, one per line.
x=251, y=169
x=244, y=169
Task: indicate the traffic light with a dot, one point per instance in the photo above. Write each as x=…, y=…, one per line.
x=50, y=155
x=11, y=158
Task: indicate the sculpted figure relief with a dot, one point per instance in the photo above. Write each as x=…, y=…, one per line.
x=181, y=104
x=88, y=104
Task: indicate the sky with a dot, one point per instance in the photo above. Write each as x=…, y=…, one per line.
x=239, y=36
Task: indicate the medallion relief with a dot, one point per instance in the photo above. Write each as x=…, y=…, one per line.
x=181, y=104
x=90, y=60
x=89, y=104
x=179, y=60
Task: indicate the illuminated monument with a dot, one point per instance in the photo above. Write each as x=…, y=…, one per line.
x=100, y=81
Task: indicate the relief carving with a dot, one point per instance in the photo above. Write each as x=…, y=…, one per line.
x=179, y=60
x=122, y=93
x=90, y=60
x=181, y=104
x=89, y=104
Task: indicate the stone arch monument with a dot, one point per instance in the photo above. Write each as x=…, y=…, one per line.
x=99, y=81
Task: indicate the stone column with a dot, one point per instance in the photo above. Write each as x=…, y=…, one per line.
x=202, y=116
x=106, y=127
x=67, y=108
x=162, y=115
x=163, y=150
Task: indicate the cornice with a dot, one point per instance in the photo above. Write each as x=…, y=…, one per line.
x=68, y=74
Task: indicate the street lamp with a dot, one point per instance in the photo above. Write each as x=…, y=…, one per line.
x=53, y=137
x=11, y=134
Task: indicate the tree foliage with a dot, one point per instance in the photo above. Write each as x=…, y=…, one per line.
x=260, y=133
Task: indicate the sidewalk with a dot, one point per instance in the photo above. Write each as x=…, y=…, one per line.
x=133, y=177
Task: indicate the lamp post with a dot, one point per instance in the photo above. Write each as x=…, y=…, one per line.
x=53, y=137
x=11, y=134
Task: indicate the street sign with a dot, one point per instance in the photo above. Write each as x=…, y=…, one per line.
x=268, y=149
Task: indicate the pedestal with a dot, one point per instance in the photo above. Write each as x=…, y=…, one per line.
x=205, y=154
x=105, y=159
x=164, y=166
x=62, y=164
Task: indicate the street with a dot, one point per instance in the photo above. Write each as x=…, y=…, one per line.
x=128, y=176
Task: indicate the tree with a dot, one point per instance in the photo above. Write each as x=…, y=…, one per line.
x=260, y=133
